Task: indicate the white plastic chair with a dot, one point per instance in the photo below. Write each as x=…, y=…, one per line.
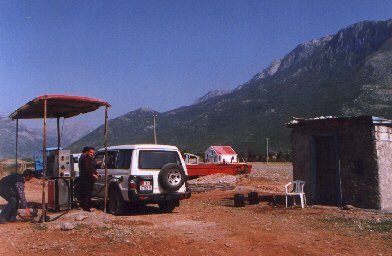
x=298, y=190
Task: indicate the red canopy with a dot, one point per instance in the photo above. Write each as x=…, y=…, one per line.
x=58, y=106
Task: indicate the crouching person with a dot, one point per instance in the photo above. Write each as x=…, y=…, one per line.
x=12, y=190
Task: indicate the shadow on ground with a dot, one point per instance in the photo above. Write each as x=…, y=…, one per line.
x=272, y=200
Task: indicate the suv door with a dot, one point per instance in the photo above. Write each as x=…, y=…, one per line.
x=118, y=164
x=100, y=161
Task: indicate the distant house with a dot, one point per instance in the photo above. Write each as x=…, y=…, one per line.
x=220, y=154
x=344, y=160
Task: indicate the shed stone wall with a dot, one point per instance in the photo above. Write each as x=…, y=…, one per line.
x=383, y=136
x=301, y=154
x=358, y=165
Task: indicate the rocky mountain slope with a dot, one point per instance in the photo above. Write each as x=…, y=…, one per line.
x=27, y=139
x=349, y=73
x=211, y=94
x=30, y=140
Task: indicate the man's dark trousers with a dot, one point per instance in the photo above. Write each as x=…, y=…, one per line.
x=86, y=189
x=10, y=210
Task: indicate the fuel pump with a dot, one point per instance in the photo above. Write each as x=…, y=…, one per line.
x=60, y=173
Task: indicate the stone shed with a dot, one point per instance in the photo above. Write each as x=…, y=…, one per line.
x=345, y=160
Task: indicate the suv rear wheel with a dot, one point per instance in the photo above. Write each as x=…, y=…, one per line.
x=116, y=202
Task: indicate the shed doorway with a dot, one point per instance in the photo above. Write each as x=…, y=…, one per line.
x=326, y=163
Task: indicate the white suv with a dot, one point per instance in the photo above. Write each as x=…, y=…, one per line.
x=142, y=174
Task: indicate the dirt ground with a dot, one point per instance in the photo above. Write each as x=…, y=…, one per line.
x=209, y=224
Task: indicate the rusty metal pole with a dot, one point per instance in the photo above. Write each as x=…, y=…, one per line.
x=16, y=145
x=44, y=169
x=105, y=134
x=58, y=133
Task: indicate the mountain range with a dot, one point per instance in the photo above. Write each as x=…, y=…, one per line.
x=30, y=140
x=345, y=74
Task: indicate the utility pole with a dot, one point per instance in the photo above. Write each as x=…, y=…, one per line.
x=155, y=132
x=16, y=146
x=267, y=150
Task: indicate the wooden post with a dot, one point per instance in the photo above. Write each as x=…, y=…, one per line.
x=155, y=132
x=58, y=133
x=340, y=185
x=106, y=157
x=267, y=150
x=16, y=145
x=45, y=164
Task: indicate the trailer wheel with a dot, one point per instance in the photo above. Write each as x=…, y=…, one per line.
x=171, y=177
x=239, y=200
x=253, y=198
x=116, y=201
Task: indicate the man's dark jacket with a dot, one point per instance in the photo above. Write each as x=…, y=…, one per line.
x=8, y=184
x=86, y=167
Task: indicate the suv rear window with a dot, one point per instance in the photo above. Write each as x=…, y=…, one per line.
x=155, y=159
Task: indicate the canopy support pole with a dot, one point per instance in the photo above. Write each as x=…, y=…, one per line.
x=106, y=157
x=155, y=132
x=16, y=145
x=45, y=164
x=58, y=133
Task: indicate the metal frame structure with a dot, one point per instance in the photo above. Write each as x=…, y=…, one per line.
x=58, y=106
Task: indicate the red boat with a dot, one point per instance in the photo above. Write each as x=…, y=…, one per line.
x=196, y=169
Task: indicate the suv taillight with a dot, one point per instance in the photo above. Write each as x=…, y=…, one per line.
x=132, y=184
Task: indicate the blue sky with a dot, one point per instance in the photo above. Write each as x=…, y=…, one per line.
x=160, y=54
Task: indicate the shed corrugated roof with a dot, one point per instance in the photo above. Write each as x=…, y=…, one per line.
x=335, y=121
x=224, y=150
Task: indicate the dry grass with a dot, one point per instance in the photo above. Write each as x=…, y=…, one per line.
x=6, y=169
x=8, y=166
x=359, y=226
x=40, y=227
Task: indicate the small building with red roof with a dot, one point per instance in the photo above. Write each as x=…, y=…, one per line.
x=220, y=154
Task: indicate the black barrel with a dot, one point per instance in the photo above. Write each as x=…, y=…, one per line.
x=253, y=198
x=239, y=200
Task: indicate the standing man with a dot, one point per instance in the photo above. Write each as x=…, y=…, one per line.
x=83, y=155
x=12, y=190
x=77, y=185
x=87, y=177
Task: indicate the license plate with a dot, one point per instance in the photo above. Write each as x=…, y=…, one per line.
x=145, y=185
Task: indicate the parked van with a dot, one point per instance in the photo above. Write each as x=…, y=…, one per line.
x=142, y=174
